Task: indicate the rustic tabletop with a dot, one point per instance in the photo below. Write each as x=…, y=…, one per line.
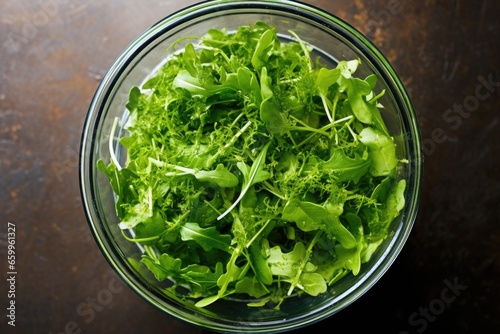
x=53, y=55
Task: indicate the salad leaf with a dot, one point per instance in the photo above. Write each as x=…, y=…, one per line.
x=208, y=238
x=254, y=169
x=326, y=78
x=264, y=45
x=250, y=286
x=269, y=111
x=346, y=168
x=381, y=149
x=285, y=264
x=313, y=283
x=259, y=262
x=219, y=176
x=250, y=176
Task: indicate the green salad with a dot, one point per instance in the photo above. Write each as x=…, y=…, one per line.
x=253, y=170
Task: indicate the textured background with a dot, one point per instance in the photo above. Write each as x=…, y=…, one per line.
x=54, y=53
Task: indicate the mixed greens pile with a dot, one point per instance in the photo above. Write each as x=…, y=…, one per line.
x=253, y=170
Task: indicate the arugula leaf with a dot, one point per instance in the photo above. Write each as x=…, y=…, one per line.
x=356, y=92
x=311, y=217
x=347, y=68
x=262, y=270
x=391, y=196
x=269, y=111
x=313, y=283
x=264, y=45
x=190, y=60
x=361, y=96
x=192, y=84
x=220, y=176
x=381, y=149
x=150, y=230
x=251, y=286
x=133, y=98
x=186, y=80
x=306, y=215
x=285, y=264
x=252, y=176
x=166, y=267
x=208, y=238
x=346, y=168
x=326, y=78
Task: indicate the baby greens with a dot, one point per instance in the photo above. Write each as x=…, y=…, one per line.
x=253, y=170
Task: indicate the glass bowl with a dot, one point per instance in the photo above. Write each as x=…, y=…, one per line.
x=331, y=38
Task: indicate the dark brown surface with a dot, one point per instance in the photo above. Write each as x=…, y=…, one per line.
x=52, y=58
